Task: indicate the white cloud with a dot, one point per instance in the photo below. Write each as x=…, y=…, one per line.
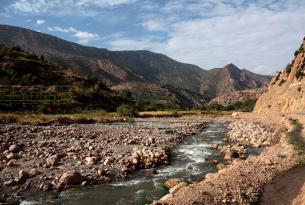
x=260, y=36
x=154, y=25
x=82, y=36
x=65, y=7
x=40, y=21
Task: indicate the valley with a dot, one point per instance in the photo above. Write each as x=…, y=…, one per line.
x=81, y=124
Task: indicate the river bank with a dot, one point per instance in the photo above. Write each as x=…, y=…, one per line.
x=53, y=158
x=242, y=181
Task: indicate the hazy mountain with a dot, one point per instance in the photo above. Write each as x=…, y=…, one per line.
x=119, y=67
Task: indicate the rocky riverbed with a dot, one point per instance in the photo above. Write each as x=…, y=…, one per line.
x=53, y=158
x=242, y=179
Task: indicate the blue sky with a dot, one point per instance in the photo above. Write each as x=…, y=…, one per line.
x=260, y=35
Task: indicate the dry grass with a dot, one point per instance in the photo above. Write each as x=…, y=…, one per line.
x=176, y=113
x=89, y=117
x=158, y=114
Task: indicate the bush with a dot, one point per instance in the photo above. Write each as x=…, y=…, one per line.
x=244, y=106
x=288, y=68
x=127, y=110
x=8, y=118
x=282, y=82
x=299, y=74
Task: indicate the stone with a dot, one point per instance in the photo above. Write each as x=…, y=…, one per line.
x=176, y=188
x=101, y=172
x=150, y=171
x=90, y=160
x=23, y=176
x=220, y=165
x=14, y=148
x=170, y=183
x=231, y=154
x=71, y=178
x=215, y=146
x=11, y=163
x=134, y=161
x=11, y=155
x=151, y=140
x=33, y=172
x=9, y=183
x=52, y=160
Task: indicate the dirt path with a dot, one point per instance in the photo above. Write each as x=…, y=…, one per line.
x=290, y=187
x=284, y=189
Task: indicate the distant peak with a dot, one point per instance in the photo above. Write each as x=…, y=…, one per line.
x=231, y=66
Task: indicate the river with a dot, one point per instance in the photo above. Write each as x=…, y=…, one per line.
x=188, y=163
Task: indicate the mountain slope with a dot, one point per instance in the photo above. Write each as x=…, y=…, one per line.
x=286, y=91
x=115, y=67
x=29, y=82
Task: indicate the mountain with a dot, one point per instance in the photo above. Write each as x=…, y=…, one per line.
x=238, y=96
x=30, y=82
x=286, y=91
x=121, y=67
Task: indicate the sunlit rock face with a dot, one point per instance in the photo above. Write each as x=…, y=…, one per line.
x=286, y=91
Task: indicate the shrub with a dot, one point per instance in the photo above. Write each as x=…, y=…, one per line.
x=126, y=110
x=282, y=82
x=8, y=118
x=288, y=68
x=299, y=74
x=244, y=106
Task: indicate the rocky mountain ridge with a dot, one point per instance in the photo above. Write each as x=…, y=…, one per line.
x=286, y=91
x=119, y=67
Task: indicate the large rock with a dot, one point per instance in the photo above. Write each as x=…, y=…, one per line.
x=176, y=188
x=90, y=160
x=52, y=160
x=170, y=183
x=71, y=178
x=14, y=148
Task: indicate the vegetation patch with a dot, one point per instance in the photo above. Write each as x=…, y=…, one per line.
x=288, y=68
x=32, y=83
x=295, y=137
x=127, y=110
x=299, y=74
x=45, y=119
x=244, y=106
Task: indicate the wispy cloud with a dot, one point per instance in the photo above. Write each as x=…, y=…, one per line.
x=261, y=35
x=82, y=36
x=40, y=21
x=256, y=34
x=65, y=7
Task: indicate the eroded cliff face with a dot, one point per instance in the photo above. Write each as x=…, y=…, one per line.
x=286, y=91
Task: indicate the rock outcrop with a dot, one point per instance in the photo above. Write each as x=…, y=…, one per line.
x=286, y=91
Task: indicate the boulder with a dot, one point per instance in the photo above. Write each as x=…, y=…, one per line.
x=71, y=178
x=150, y=171
x=52, y=160
x=14, y=148
x=170, y=183
x=176, y=188
x=23, y=176
x=231, y=154
x=11, y=155
x=33, y=172
x=90, y=160
x=220, y=166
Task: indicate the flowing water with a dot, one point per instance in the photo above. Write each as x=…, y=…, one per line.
x=188, y=162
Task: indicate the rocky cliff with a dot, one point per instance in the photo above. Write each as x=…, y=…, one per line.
x=286, y=91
